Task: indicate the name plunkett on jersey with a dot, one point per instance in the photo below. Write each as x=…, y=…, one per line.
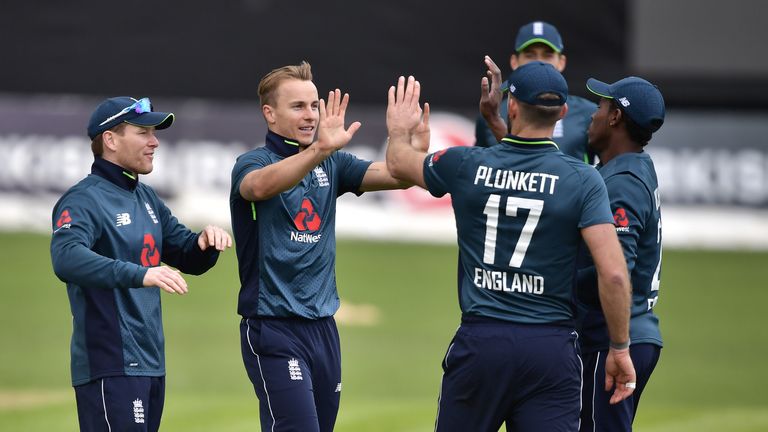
x=515, y=180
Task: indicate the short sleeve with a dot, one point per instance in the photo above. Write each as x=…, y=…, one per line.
x=351, y=171
x=595, y=205
x=440, y=169
x=246, y=163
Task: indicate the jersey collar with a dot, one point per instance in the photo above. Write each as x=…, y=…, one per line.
x=281, y=145
x=528, y=143
x=115, y=174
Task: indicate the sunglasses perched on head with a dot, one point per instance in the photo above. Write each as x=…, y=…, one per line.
x=142, y=105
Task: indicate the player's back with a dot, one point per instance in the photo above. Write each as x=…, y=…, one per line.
x=519, y=208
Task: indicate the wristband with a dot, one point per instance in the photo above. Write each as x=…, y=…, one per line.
x=619, y=346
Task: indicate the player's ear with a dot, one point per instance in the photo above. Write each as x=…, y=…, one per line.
x=563, y=110
x=513, y=61
x=512, y=107
x=561, y=63
x=269, y=113
x=108, y=138
x=615, y=117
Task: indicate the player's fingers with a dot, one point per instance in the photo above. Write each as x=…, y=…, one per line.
x=391, y=96
x=202, y=241
x=425, y=116
x=353, y=128
x=400, y=90
x=416, y=94
x=174, y=279
x=323, y=113
x=408, y=95
x=344, y=104
x=210, y=230
x=484, y=88
x=336, y=102
x=608, y=382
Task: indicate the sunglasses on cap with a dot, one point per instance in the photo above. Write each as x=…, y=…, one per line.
x=142, y=105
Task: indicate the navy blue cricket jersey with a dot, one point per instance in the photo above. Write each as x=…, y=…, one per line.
x=570, y=133
x=286, y=245
x=107, y=230
x=519, y=208
x=634, y=194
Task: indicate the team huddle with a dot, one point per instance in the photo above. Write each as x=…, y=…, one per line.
x=559, y=259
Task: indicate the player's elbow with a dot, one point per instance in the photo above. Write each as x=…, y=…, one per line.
x=615, y=278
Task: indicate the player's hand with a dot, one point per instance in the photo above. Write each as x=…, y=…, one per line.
x=165, y=278
x=403, y=110
x=420, y=138
x=619, y=372
x=490, y=91
x=213, y=236
x=331, y=135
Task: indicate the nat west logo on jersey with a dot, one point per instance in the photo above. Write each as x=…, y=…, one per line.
x=308, y=221
x=64, y=221
x=620, y=220
x=150, y=256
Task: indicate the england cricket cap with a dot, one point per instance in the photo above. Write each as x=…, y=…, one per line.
x=530, y=81
x=638, y=98
x=538, y=32
x=116, y=110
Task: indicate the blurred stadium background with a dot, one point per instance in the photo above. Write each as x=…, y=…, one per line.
x=396, y=260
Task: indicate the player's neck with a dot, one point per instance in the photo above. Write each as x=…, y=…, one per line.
x=619, y=146
x=529, y=131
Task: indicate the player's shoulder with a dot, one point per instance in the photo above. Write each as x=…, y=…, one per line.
x=637, y=165
x=87, y=193
x=260, y=156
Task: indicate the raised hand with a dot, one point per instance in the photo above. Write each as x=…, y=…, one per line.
x=490, y=93
x=331, y=135
x=420, y=137
x=403, y=110
x=213, y=236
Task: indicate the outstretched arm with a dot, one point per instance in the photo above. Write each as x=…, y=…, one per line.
x=615, y=296
x=271, y=180
x=490, y=99
x=408, y=132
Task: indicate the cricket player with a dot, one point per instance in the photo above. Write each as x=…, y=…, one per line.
x=535, y=41
x=630, y=111
x=522, y=209
x=283, y=209
x=110, y=234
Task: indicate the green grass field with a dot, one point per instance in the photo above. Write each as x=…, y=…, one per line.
x=712, y=375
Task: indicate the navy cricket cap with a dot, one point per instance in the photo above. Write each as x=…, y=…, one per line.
x=538, y=32
x=116, y=110
x=638, y=98
x=528, y=82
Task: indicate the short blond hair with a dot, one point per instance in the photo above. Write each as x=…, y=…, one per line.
x=271, y=81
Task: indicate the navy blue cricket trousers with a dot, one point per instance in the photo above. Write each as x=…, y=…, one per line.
x=121, y=403
x=598, y=414
x=295, y=368
x=527, y=376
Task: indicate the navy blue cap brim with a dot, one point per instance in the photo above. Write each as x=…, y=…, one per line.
x=599, y=88
x=160, y=120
